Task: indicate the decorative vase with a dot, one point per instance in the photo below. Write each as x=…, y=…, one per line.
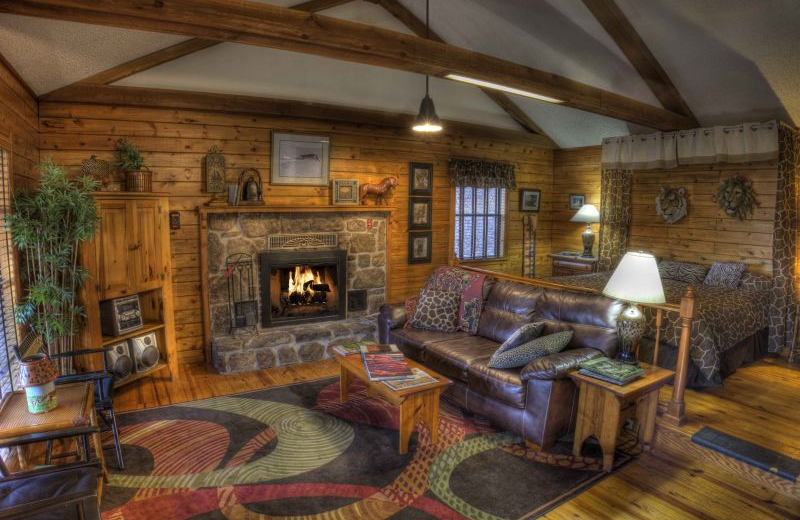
x=37, y=375
x=141, y=180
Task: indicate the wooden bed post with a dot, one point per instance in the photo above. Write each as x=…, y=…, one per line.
x=675, y=414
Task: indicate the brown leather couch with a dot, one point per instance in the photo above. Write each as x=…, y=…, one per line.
x=537, y=401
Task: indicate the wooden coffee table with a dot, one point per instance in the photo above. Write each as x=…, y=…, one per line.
x=416, y=404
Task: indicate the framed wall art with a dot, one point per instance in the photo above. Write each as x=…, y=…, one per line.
x=300, y=159
x=576, y=201
x=529, y=199
x=419, y=247
x=420, y=212
x=345, y=192
x=420, y=179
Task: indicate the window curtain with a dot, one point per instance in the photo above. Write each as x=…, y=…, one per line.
x=615, y=217
x=784, y=252
x=482, y=174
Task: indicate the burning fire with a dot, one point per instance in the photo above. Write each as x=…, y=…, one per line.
x=298, y=282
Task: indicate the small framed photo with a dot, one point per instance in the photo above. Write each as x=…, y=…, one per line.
x=299, y=159
x=420, y=177
x=419, y=247
x=576, y=201
x=420, y=212
x=345, y=192
x=529, y=199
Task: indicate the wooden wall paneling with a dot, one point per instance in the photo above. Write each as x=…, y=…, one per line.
x=19, y=122
x=174, y=142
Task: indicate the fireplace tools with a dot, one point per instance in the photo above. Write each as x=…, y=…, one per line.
x=241, y=291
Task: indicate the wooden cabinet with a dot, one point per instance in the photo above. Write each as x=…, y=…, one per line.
x=131, y=255
x=569, y=264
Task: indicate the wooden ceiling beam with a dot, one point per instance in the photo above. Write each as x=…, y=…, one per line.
x=417, y=26
x=179, y=99
x=246, y=22
x=617, y=25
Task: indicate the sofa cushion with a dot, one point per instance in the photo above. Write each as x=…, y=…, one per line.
x=537, y=348
x=452, y=358
x=412, y=342
x=503, y=385
x=437, y=310
x=524, y=334
x=509, y=306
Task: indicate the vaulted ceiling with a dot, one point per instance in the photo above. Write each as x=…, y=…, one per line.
x=730, y=60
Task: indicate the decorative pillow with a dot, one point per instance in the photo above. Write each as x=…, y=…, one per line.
x=410, y=305
x=524, y=334
x=532, y=350
x=437, y=310
x=725, y=274
x=685, y=272
x=471, y=288
x=755, y=281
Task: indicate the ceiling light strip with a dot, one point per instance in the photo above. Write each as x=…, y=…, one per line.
x=497, y=86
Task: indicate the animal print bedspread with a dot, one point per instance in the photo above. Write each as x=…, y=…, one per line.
x=725, y=317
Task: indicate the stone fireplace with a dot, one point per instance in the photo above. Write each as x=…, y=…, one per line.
x=318, y=276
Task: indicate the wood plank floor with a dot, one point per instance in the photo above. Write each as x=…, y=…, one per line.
x=760, y=403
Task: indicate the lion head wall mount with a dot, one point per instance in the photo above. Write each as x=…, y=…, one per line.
x=671, y=204
x=736, y=197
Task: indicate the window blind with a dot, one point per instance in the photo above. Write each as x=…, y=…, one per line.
x=8, y=329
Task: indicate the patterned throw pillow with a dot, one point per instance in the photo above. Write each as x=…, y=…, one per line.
x=437, y=310
x=532, y=350
x=685, y=272
x=524, y=334
x=410, y=305
x=725, y=274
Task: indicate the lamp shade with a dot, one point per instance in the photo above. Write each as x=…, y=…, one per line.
x=587, y=213
x=636, y=280
x=427, y=120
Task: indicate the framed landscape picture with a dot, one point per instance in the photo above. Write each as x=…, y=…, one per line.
x=300, y=159
x=576, y=201
x=419, y=247
x=420, y=211
x=345, y=192
x=420, y=179
x=529, y=199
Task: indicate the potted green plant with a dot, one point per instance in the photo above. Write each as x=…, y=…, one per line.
x=129, y=160
x=47, y=227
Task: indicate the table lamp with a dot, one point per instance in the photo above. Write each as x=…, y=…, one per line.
x=635, y=280
x=589, y=214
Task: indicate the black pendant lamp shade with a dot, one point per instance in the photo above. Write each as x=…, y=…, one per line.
x=427, y=120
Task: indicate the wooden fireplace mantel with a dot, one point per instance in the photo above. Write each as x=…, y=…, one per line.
x=215, y=210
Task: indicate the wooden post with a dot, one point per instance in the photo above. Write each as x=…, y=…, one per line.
x=659, y=320
x=675, y=414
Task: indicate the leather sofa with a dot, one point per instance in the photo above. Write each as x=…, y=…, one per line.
x=536, y=401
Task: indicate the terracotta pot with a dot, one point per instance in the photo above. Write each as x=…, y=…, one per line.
x=36, y=375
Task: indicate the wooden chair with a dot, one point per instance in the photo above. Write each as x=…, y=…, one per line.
x=103, y=385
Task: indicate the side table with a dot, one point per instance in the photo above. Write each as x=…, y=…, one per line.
x=603, y=406
x=568, y=264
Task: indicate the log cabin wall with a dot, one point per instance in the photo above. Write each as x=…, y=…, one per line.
x=19, y=126
x=705, y=235
x=175, y=141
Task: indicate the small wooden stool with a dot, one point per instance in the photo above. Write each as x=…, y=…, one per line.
x=603, y=407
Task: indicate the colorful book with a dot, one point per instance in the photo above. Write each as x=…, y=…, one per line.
x=351, y=348
x=420, y=378
x=610, y=370
x=385, y=362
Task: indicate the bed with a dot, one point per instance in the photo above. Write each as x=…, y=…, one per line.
x=730, y=328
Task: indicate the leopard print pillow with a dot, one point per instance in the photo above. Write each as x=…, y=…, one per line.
x=532, y=350
x=437, y=310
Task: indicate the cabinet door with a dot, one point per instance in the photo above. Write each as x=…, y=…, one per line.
x=114, y=267
x=146, y=251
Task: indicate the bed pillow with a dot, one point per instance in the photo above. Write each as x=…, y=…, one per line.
x=437, y=310
x=531, y=351
x=686, y=272
x=725, y=274
x=524, y=334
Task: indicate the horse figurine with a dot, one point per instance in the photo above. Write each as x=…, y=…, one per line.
x=380, y=190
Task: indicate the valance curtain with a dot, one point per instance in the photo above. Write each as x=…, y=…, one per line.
x=615, y=219
x=482, y=174
x=640, y=152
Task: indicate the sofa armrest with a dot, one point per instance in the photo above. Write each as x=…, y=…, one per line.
x=391, y=316
x=557, y=366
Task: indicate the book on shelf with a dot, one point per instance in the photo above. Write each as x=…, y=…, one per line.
x=351, y=348
x=419, y=378
x=610, y=370
x=385, y=362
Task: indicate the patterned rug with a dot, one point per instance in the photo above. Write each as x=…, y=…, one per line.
x=295, y=452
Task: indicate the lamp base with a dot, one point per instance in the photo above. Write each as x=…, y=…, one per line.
x=631, y=326
x=588, y=241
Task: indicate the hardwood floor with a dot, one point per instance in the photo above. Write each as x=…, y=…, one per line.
x=759, y=403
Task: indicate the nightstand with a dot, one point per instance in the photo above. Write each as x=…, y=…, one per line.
x=568, y=264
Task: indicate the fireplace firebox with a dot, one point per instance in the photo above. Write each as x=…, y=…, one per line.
x=303, y=286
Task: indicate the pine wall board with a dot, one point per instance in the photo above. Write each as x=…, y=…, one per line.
x=18, y=126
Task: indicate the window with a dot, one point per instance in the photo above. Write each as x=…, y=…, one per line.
x=480, y=221
x=8, y=328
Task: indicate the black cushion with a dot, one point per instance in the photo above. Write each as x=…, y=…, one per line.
x=24, y=491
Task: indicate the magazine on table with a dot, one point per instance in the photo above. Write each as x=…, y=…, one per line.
x=610, y=370
x=385, y=362
x=419, y=378
x=351, y=348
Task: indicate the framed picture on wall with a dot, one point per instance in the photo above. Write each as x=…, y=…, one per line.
x=300, y=159
x=576, y=201
x=420, y=177
x=529, y=199
x=345, y=192
x=419, y=247
x=420, y=211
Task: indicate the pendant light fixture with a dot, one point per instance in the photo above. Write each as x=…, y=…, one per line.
x=427, y=120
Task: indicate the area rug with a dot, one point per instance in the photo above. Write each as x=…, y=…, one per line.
x=295, y=452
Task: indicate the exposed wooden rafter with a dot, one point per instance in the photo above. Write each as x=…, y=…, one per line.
x=417, y=26
x=265, y=25
x=617, y=25
x=180, y=99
